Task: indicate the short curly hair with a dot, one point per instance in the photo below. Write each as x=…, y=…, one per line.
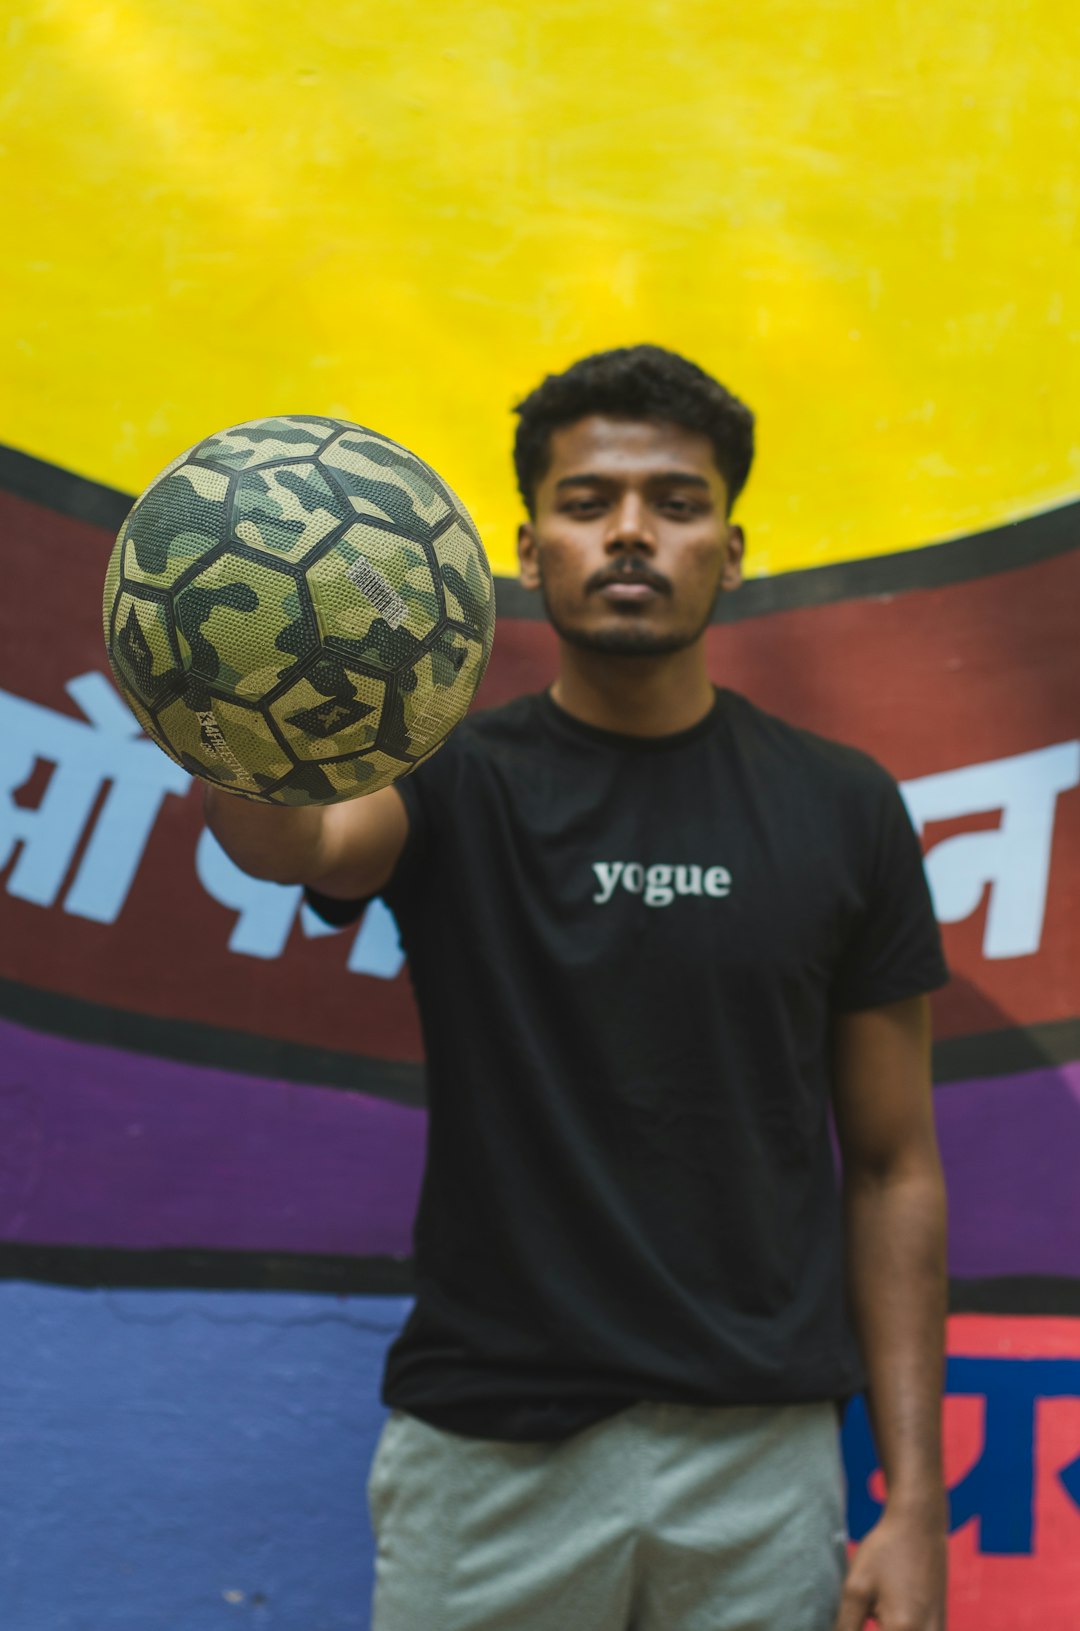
x=634, y=382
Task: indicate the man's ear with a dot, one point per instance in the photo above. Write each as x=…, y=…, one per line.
x=528, y=556
x=732, y=575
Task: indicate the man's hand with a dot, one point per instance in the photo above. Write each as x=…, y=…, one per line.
x=348, y=850
x=896, y=1578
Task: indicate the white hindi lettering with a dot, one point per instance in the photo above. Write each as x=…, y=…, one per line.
x=106, y=751
x=266, y=913
x=106, y=746
x=1011, y=860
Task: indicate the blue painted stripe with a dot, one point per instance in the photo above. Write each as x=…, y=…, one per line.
x=187, y=1461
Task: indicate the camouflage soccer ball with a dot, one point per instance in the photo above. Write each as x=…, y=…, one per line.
x=299, y=610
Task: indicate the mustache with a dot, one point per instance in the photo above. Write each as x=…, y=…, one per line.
x=629, y=569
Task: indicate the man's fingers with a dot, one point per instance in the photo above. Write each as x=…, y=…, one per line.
x=854, y=1606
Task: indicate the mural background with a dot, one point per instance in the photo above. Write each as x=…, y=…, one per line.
x=211, y=1112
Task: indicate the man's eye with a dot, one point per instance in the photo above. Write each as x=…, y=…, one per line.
x=583, y=506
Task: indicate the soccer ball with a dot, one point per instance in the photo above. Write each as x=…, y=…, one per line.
x=299, y=610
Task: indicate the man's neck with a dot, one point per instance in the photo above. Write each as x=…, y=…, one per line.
x=636, y=696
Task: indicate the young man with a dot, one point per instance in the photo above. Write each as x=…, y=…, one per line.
x=654, y=933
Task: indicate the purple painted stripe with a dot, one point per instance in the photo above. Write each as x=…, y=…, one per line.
x=106, y=1148
x=1011, y=1148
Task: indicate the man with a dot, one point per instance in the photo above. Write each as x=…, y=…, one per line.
x=654, y=933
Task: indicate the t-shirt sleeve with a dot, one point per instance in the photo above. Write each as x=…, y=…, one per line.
x=338, y=913
x=893, y=946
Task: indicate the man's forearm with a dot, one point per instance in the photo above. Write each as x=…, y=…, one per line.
x=266, y=840
x=898, y=1287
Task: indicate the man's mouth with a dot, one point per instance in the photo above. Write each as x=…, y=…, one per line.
x=629, y=583
x=628, y=589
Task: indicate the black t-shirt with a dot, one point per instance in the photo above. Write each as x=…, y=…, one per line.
x=627, y=953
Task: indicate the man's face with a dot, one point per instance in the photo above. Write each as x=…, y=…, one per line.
x=630, y=543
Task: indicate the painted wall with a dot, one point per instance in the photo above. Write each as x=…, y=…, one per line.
x=211, y=1109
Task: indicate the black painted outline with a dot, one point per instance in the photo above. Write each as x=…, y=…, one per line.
x=1026, y=542
x=1008, y=1052
x=119, y=1268
x=62, y=491
x=991, y=1054
x=190, y=1042
x=1017, y=544
x=1047, y=1294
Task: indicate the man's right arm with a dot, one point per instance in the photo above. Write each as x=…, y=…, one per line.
x=348, y=850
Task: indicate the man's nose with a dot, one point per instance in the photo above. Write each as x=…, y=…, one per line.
x=630, y=527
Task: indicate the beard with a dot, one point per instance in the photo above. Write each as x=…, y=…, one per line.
x=627, y=638
x=624, y=642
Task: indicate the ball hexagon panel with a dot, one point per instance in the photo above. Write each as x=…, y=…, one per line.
x=143, y=649
x=336, y=780
x=146, y=720
x=243, y=623
x=286, y=509
x=222, y=741
x=429, y=698
x=177, y=520
x=467, y=583
x=387, y=483
x=262, y=441
x=109, y=594
x=371, y=575
x=329, y=711
x=367, y=773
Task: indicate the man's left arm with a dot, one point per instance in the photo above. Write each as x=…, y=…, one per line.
x=894, y=1207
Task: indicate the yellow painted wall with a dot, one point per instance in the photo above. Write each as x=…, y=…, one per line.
x=861, y=216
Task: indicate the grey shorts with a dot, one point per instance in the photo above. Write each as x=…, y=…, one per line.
x=662, y=1518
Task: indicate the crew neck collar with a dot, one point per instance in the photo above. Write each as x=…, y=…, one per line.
x=625, y=741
